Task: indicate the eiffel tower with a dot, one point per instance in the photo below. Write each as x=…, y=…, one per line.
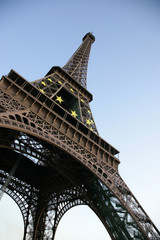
x=52, y=157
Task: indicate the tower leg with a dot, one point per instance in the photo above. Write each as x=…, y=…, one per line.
x=49, y=214
x=112, y=213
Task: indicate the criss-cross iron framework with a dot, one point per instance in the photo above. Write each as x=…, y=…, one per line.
x=52, y=157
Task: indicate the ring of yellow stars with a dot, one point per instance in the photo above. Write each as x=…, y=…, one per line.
x=43, y=83
x=74, y=114
x=59, y=99
x=88, y=121
x=42, y=90
x=49, y=79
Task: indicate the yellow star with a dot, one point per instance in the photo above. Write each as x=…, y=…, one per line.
x=42, y=90
x=74, y=114
x=43, y=83
x=60, y=82
x=82, y=100
x=89, y=111
x=59, y=99
x=50, y=79
x=91, y=128
x=71, y=90
x=88, y=121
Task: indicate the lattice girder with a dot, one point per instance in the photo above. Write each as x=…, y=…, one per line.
x=54, y=210
x=78, y=63
x=74, y=180
x=57, y=141
x=26, y=197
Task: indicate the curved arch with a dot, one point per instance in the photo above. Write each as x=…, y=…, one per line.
x=53, y=211
x=109, y=177
x=16, y=198
x=11, y=219
x=61, y=141
x=19, y=192
x=26, y=214
x=81, y=222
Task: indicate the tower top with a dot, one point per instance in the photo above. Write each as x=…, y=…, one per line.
x=89, y=35
x=77, y=65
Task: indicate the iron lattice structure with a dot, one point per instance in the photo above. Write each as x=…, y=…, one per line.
x=52, y=157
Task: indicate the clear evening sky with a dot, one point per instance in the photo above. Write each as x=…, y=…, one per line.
x=123, y=76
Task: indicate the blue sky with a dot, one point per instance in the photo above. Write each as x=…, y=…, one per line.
x=123, y=76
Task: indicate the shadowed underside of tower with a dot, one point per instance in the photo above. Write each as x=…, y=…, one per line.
x=52, y=157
